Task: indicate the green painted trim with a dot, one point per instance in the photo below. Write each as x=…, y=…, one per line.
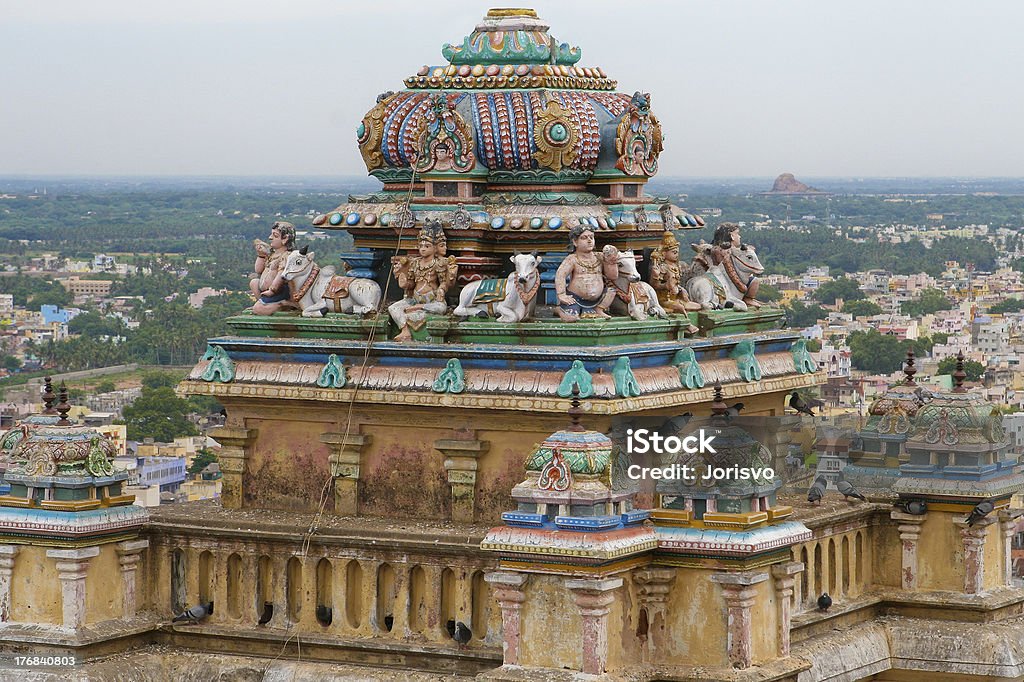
x=333, y=374
x=746, y=360
x=577, y=374
x=626, y=385
x=451, y=379
x=690, y=374
x=802, y=360
x=221, y=368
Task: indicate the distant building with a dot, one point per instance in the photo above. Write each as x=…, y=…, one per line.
x=87, y=287
x=165, y=473
x=54, y=314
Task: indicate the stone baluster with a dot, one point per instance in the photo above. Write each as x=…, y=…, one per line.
x=594, y=599
x=72, y=566
x=129, y=555
x=307, y=596
x=738, y=591
x=974, y=553
x=345, y=459
x=369, y=625
x=279, y=589
x=339, y=622
x=400, y=626
x=785, y=583
x=653, y=586
x=460, y=462
x=235, y=444
x=910, y=533
x=509, y=591
x=7, y=554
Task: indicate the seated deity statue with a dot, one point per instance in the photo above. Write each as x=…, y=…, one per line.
x=669, y=275
x=267, y=286
x=424, y=279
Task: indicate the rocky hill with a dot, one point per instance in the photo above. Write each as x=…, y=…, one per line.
x=787, y=184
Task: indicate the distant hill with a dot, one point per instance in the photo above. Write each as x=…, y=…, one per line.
x=788, y=184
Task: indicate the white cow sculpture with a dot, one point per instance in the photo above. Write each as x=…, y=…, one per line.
x=318, y=290
x=513, y=299
x=633, y=297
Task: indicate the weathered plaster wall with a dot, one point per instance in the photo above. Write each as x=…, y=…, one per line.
x=940, y=553
x=35, y=588
x=104, y=587
x=551, y=625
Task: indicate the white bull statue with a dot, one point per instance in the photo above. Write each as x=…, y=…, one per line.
x=633, y=297
x=713, y=288
x=319, y=290
x=512, y=299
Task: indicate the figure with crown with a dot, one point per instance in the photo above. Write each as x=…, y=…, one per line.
x=425, y=279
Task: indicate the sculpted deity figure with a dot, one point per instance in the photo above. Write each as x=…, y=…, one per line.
x=448, y=267
x=267, y=286
x=581, y=281
x=423, y=278
x=669, y=275
x=728, y=246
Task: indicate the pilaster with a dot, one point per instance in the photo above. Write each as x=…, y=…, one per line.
x=910, y=534
x=509, y=590
x=129, y=554
x=738, y=591
x=594, y=599
x=785, y=582
x=653, y=586
x=234, y=447
x=974, y=553
x=7, y=554
x=72, y=566
x=345, y=459
x=1008, y=528
x=460, y=461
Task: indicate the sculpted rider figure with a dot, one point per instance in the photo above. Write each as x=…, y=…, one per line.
x=668, y=276
x=727, y=238
x=270, y=290
x=586, y=294
x=447, y=266
x=423, y=278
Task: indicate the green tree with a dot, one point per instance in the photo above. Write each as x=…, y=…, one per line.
x=876, y=352
x=940, y=338
x=842, y=287
x=202, y=460
x=1010, y=305
x=158, y=414
x=862, y=308
x=767, y=292
x=157, y=379
x=10, y=363
x=105, y=386
x=930, y=301
x=800, y=315
x=974, y=370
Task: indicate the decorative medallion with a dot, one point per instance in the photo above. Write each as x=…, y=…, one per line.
x=555, y=137
x=333, y=374
x=444, y=141
x=461, y=219
x=577, y=374
x=451, y=379
x=625, y=382
x=403, y=219
x=556, y=474
x=638, y=140
x=895, y=421
x=690, y=374
x=943, y=430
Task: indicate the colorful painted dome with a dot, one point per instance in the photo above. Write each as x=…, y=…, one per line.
x=512, y=104
x=584, y=452
x=957, y=420
x=63, y=451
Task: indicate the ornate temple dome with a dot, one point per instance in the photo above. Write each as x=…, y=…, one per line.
x=512, y=136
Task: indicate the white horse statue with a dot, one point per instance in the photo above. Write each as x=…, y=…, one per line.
x=514, y=298
x=632, y=296
x=713, y=288
x=318, y=290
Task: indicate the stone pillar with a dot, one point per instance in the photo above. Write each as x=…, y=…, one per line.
x=234, y=446
x=345, y=459
x=460, y=461
x=910, y=533
x=72, y=565
x=738, y=590
x=508, y=589
x=594, y=599
x=400, y=626
x=785, y=582
x=1008, y=526
x=7, y=554
x=653, y=586
x=974, y=553
x=279, y=589
x=129, y=555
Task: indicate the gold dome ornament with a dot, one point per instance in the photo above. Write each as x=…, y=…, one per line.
x=556, y=139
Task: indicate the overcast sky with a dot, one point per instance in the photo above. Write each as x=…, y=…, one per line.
x=742, y=88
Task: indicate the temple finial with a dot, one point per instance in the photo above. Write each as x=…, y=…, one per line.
x=49, y=397
x=63, y=407
x=959, y=375
x=718, y=406
x=575, y=411
x=908, y=369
